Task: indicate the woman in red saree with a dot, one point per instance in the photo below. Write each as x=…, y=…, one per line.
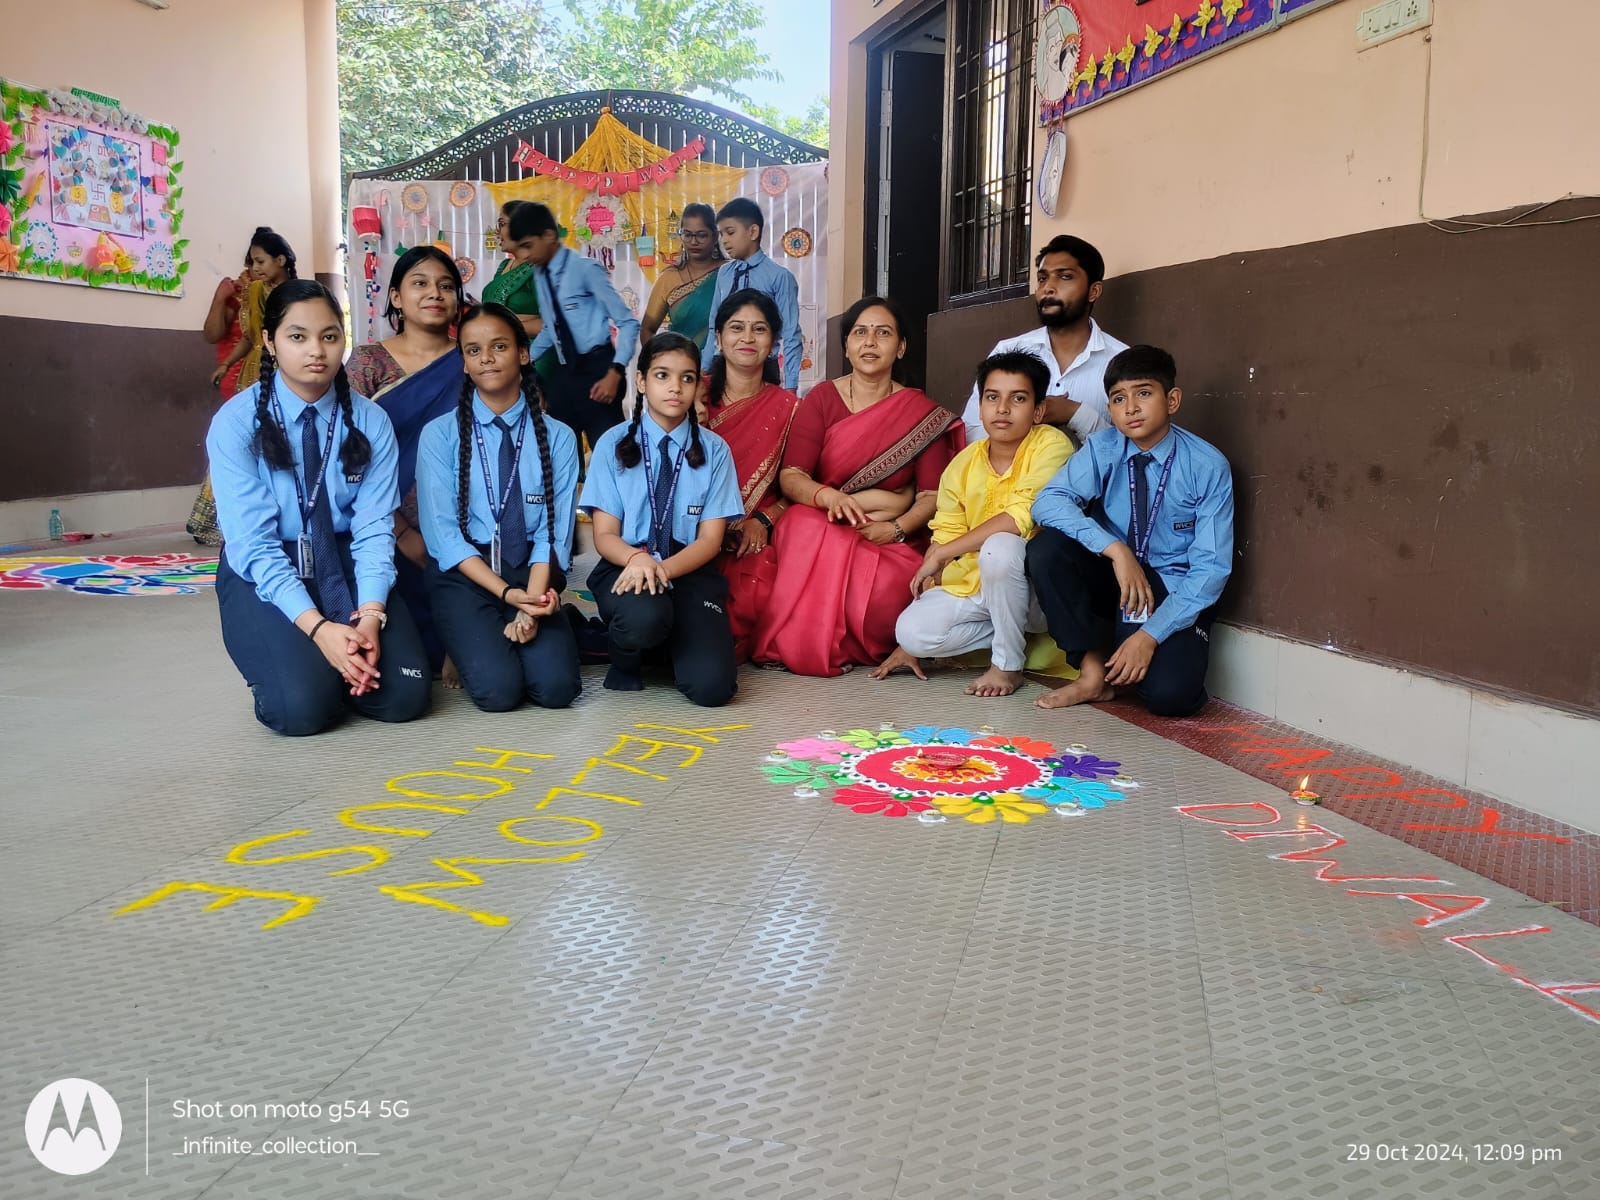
x=751, y=412
x=861, y=469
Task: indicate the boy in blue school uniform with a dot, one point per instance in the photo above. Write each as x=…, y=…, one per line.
x=1135, y=546
x=740, y=225
x=580, y=310
x=661, y=491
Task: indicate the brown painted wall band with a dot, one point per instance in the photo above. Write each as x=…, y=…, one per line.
x=1417, y=451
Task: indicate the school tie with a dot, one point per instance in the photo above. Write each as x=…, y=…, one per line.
x=326, y=565
x=566, y=347
x=741, y=276
x=1140, y=517
x=513, y=524
x=661, y=519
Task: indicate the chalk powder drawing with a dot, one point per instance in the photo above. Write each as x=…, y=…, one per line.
x=937, y=774
x=111, y=574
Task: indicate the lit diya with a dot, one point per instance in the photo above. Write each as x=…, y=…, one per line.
x=1303, y=794
x=944, y=758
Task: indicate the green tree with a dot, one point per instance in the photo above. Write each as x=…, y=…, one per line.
x=414, y=73
x=681, y=46
x=811, y=128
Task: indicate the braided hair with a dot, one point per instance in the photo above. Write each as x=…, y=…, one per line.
x=271, y=243
x=629, y=452
x=271, y=440
x=744, y=297
x=531, y=392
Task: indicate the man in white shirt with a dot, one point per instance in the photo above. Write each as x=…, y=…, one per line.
x=1075, y=349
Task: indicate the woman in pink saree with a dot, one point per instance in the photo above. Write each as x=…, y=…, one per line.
x=752, y=413
x=861, y=469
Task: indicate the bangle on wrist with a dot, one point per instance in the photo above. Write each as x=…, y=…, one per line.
x=317, y=627
x=506, y=591
x=631, y=557
x=373, y=611
x=814, y=496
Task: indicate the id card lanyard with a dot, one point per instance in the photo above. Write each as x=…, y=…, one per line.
x=306, y=566
x=1141, y=545
x=661, y=521
x=513, y=478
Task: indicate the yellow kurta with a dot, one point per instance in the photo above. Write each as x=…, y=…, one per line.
x=970, y=493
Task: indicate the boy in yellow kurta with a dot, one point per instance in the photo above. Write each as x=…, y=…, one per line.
x=971, y=590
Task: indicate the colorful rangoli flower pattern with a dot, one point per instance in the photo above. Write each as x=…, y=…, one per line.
x=945, y=773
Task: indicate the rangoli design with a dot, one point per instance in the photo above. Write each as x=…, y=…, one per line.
x=937, y=774
x=111, y=574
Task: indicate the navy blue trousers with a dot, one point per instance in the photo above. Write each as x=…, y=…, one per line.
x=689, y=622
x=296, y=692
x=498, y=673
x=1078, y=594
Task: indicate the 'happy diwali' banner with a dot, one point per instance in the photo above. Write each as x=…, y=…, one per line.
x=1089, y=50
x=89, y=193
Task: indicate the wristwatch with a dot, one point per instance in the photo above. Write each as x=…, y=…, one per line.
x=765, y=520
x=383, y=617
x=899, y=534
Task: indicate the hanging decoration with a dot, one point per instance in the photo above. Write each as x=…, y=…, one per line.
x=774, y=180
x=612, y=182
x=462, y=193
x=89, y=193
x=796, y=243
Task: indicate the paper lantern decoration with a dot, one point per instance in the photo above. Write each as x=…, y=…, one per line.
x=365, y=221
x=645, y=248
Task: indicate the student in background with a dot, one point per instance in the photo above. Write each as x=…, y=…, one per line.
x=972, y=591
x=580, y=310
x=496, y=485
x=1135, y=547
x=661, y=492
x=740, y=226
x=303, y=581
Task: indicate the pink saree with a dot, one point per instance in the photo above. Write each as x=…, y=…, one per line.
x=836, y=596
x=755, y=430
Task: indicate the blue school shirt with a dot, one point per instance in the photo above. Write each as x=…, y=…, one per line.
x=1191, y=541
x=438, y=480
x=258, y=509
x=704, y=493
x=779, y=283
x=588, y=304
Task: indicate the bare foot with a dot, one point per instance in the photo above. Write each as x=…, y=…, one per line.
x=449, y=676
x=898, y=661
x=995, y=682
x=1090, y=687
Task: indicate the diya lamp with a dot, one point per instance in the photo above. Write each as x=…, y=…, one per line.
x=944, y=758
x=1303, y=794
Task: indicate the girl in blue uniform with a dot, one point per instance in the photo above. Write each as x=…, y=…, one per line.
x=304, y=577
x=661, y=492
x=496, y=481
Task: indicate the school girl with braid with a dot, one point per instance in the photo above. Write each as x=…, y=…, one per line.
x=661, y=491
x=304, y=473
x=496, y=484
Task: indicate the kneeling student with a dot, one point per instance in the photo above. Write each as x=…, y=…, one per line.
x=971, y=590
x=1135, y=546
x=661, y=492
x=496, y=485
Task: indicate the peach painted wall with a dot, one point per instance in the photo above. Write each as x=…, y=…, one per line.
x=1296, y=137
x=231, y=78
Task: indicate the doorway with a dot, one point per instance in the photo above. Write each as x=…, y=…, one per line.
x=905, y=165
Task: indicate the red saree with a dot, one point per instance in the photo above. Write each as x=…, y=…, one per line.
x=755, y=430
x=836, y=596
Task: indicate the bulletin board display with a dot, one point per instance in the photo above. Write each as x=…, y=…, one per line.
x=90, y=194
x=1087, y=51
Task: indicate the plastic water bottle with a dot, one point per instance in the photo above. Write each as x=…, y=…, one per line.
x=57, y=529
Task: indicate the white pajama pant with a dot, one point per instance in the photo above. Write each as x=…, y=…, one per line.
x=1001, y=615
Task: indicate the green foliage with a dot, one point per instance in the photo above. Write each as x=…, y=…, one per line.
x=811, y=128
x=679, y=46
x=413, y=76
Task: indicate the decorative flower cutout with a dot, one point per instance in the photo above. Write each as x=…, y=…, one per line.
x=824, y=750
x=869, y=739
x=1084, y=766
x=1022, y=745
x=871, y=802
x=1085, y=793
x=797, y=773
x=1010, y=807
